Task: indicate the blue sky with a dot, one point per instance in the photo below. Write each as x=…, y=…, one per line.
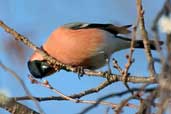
x=36, y=19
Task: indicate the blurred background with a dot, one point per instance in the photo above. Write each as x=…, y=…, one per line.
x=36, y=19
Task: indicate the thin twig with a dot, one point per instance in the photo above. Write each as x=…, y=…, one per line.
x=118, y=109
x=79, y=95
x=116, y=65
x=130, y=60
x=49, y=86
x=145, y=38
x=15, y=107
x=137, y=95
x=119, y=95
x=15, y=75
x=113, y=106
x=129, y=57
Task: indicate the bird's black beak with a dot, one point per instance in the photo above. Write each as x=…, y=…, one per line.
x=40, y=69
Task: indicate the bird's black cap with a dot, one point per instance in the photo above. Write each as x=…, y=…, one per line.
x=40, y=69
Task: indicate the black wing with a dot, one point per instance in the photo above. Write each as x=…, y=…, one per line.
x=108, y=27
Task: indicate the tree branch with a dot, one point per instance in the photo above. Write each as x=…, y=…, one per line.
x=14, y=107
x=145, y=38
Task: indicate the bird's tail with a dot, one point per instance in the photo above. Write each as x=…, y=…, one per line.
x=139, y=44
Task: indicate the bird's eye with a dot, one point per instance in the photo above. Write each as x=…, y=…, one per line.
x=40, y=69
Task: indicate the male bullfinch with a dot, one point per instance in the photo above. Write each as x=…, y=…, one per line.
x=82, y=44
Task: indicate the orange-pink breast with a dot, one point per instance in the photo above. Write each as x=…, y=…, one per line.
x=74, y=47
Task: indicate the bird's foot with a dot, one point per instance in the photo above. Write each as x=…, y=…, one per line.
x=80, y=71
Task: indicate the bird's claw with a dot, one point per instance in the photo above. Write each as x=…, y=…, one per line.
x=80, y=71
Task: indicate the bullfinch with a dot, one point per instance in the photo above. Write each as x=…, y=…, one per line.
x=82, y=44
